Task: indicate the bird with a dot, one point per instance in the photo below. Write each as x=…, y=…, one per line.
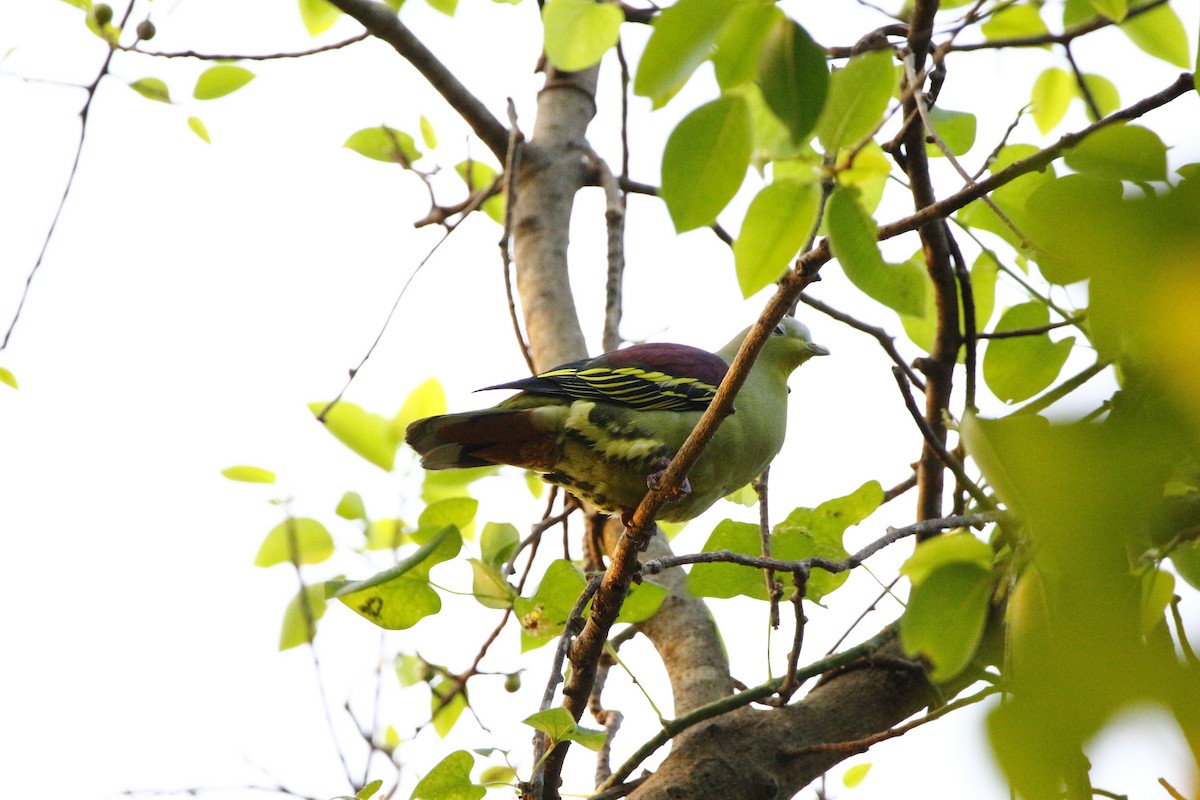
x=603, y=428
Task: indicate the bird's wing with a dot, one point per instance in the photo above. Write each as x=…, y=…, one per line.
x=648, y=377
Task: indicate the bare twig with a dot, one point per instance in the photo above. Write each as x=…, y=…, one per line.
x=886, y=341
x=249, y=57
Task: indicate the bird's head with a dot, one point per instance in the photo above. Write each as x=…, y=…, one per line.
x=790, y=345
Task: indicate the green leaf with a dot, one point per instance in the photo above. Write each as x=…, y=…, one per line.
x=1158, y=588
x=247, y=474
x=1113, y=9
x=450, y=780
x=1010, y=198
x=1051, y=95
x=447, y=7
x=852, y=240
x=642, y=602
x=579, y=32
x=386, y=534
x=296, y=628
x=705, y=161
x=400, y=596
x=489, y=586
x=950, y=548
x=1077, y=222
x=7, y=378
x=793, y=78
x=480, y=176
x=740, y=42
x=441, y=484
x=806, y=533
x=778, y=222
x=858, y=97
x=410, y=669
x=1014, y=22
x=956, y=129
x=558, y=724
x=945, y=616
x=682, y=39
x=312, y=543
x=427, y=400
x=385, y=144
x=428, y=135
x=498, y=542
x=152, y=89
x=1018, y=368
x=199, y=128
x=1186, y=560
x=368, y=791
x=368, y=434
x=318, y=15
x=724, y=579
x=543, y=615
x=1120, y=152
x=446, y=714
x=1104, y=93
x=351, y=506
x=855, y=775
x=498, y=775
x=456, y=511
x=221, y=80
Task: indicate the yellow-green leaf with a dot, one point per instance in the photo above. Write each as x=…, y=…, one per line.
x=858, y=96
x=1113, y=9
x=427, y=400
x=1017, y=368
x=385, y=144
x=683, y=38
x=1104, y=93
x=318, y=15
x=247, y=474
x=445, y=714
x=1120, y=152
x=304, y=540
x=7, y=378
x=1052, y=93
x=705, y=161
x=855, y=775
x=428, y=135
x=1014, y=22
x=956, y=129
x=450, y=779
x=152, y=89
x=740, y=42
x=351, y=506
x=300, y=627
x=778, y=222
x=369, y=435
x=852, y=239
x=945, y=616
x=199, y=128
x=221, y=80
x=579, y=32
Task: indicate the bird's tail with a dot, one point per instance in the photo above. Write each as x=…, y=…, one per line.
x=483, y=438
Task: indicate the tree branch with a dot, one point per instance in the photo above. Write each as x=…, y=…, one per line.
x=382, y=22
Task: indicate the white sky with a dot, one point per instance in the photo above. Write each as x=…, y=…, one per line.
x=196, y=297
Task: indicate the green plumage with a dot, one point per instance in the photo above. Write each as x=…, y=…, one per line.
x=601, y=427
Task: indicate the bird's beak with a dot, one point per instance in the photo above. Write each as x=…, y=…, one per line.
x=818, y=350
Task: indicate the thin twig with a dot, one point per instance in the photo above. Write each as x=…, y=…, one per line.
x=886, y=341
x=1038, y=331
x=1062, y=390
x=248, y=57
x=939, y=448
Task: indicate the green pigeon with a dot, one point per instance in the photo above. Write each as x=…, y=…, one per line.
x=602, y=428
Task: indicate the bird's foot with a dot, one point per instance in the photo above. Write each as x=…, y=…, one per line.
x=654, y=481
x=647, y=533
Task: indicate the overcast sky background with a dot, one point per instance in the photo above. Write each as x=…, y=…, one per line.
x=196, y=297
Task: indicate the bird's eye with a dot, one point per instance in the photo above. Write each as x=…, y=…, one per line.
x=779, y=331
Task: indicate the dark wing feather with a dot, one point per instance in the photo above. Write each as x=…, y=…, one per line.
x=669, y=377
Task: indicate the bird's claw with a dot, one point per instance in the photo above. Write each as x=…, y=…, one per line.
x=654, y=481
